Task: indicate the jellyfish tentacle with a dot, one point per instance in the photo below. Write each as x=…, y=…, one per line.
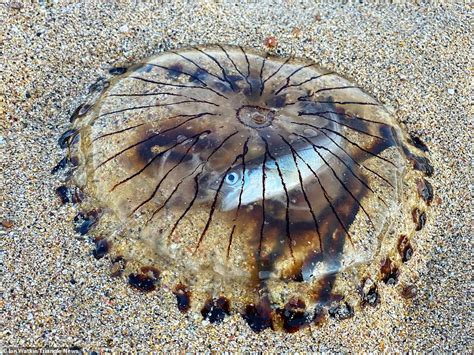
x=248, y=68
x=157, y=187
x=326, y=196
x=226, y=79
x=356, y=162
x=193, y=139
x=214, y=203
x=315, y=220
x=341, y=123
x=346, y=165
x=151, y=137
x=180, y=86
x=288, y=78
x=235, y=66
x=193, y=116
x=201, y=68
x=182, y=180
x=276, y=71
x=339, y=180
x=262, y=83
x=287, y=210
x=239, y=204
x=315, y=77
x=348, y=140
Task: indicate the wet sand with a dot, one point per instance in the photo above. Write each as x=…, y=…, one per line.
x=414, y=59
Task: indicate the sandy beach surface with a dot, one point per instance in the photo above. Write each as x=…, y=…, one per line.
x=54, y=294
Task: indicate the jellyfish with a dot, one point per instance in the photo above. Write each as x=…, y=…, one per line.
x=256, y=184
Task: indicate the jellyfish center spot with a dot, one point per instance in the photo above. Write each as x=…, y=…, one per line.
x=255, y=116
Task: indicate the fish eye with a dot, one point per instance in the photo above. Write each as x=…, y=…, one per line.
x=231, y=178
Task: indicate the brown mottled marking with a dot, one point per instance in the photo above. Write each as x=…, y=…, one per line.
x=409, y=291
x=216, y=309
x=294, y=316
x=258, y=316
x=183, y=297
x=389, y=272
x=404, y=248
x=419, y=218
x=341, y=311
x=425, y=190
x=146, y=280
x=102, y=247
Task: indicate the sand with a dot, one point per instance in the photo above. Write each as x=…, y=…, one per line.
x=415, y=59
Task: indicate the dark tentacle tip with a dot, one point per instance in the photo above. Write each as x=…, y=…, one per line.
x=419, y=218
x=183, y=298
x=423, y=164
x=419, y=163
x=102, y=247
x=64, y=140
x=61, y=165
x=371, y=298
x=69, y=194
x=117, y=70
x=425, y=190
x=83, y=222
x=75, y=114
x=258, y=317
x=64, y=194
x=294, y=316
x=215, y=310
x=146, y=280
x=98, y=86
x=404, y=248
x=389, y=272
x=341, y=311
x=141, y=282
x=418, y=143
x=66, y=165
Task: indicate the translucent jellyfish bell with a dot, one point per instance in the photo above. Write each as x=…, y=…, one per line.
x=254, y=183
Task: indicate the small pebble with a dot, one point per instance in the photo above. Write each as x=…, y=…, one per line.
x=123, y=28
x=6, y=223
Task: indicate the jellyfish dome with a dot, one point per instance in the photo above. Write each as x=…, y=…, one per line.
x=252, y=183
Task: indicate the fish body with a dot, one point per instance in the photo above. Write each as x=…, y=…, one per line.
x=254, y=181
